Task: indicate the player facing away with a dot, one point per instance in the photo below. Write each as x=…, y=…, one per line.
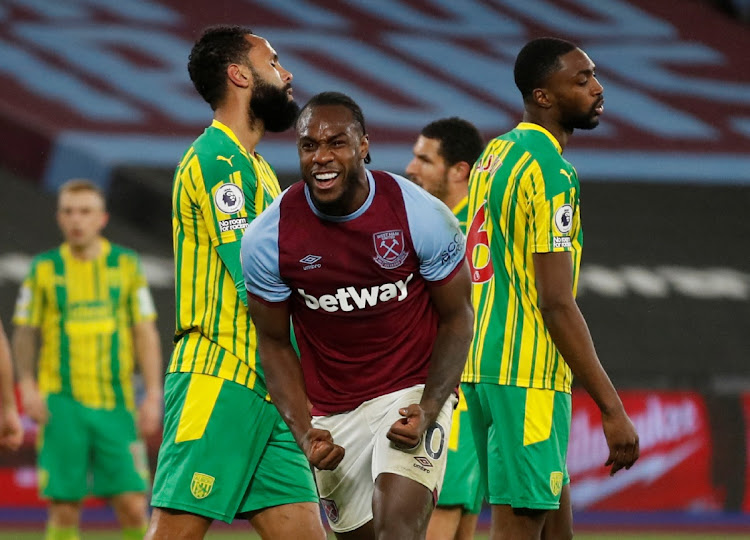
x=11, y=429
x=524, y=247
x=86, y=312
x=371, y=269
x=226, y=452
x=444, y=155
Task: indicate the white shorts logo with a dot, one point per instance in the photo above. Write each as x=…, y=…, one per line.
x=564, y=218
x=229, y=199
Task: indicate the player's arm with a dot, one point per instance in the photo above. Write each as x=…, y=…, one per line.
x=11, y=429
x=440, y=246
x=217, y=176
x=452, y=301
x=230, y=256
x=25, y=349
x=147, y=350
x=148, y=353
x=27, y=319
x=569, y=331
x=286, y=384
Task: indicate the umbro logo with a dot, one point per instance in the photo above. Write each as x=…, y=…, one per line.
x=310, y=262
x=423, y=464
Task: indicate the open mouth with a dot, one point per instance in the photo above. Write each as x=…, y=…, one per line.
x=599, y=109
x=325, y=180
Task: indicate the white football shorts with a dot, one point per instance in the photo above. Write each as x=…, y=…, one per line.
x=346, y=492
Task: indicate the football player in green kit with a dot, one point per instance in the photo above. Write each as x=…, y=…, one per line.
x=524, y=248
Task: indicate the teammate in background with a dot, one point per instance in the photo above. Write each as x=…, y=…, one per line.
x=524, y=247
x=372, y=271
x=444, y=155
x=88, y=302
x=11, y=429
x=226, y=451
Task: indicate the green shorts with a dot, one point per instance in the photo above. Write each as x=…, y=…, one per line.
x=226, y=451
x=462, y=485
x=84, y=451
x=522, y=443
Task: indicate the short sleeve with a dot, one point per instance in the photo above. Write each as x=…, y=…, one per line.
x=224, y=197
x=30, y=300
x=435, y=232
x=259, y=256
x=141, y=302
x=552, y=209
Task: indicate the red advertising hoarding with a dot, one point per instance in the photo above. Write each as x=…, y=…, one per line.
x=674, y=468
x=746, y=410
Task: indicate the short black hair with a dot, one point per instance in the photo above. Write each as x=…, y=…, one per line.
x=538, y=59
x=459, y=139
x=218, y=47
x=338, y=98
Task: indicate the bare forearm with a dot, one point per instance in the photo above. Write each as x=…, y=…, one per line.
x=6, y=373
x=286, y=386
x=571, y=335
x=148, y=353
x=24, y=353
x=447, y=362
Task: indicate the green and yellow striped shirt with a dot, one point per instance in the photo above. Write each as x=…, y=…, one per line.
x=85, y=310
x=461, y=211
x=218, y=189
x=523, y=199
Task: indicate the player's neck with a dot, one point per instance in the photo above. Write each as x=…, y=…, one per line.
x=555, y=128
x=238, y=120
x=454, y=197
x=86, y=252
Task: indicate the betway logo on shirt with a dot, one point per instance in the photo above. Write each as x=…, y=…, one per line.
x=349, y=298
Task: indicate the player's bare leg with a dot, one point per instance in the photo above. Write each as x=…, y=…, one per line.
x=167, y=524
x=518, y=524
x=559, y=523
x=64, y=514
x=298, y=520
x=467, y=527
x=444, y=523
x=365, y=532
x=130, y=509
x=401, y=508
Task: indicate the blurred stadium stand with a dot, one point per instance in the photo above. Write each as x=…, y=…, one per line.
x=99, y=89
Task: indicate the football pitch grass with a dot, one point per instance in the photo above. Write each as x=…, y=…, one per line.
x=249, y=535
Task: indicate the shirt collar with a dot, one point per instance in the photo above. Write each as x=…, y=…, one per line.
x=537, y=127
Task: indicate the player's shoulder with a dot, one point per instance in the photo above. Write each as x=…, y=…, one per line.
x=557, y=172
x=118, y=250
x=261, y=160
x=46, y=261
x=216, y=151
x=267, y=220
x=410, y=191
x=427, y=214
x=539, y=143
x=48, y=255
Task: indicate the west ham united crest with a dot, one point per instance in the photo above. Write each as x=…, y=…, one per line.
x=332, y=511
x=390, y=251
